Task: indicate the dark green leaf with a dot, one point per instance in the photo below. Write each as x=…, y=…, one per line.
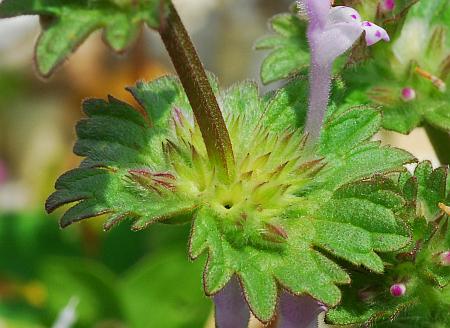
x=439, y=116
x=431, y=189
x=367, y=226
x=402, y=118
x=66, y=24
x=349, y=129
x=286, y=108
x=289, y=48
x=363, y=161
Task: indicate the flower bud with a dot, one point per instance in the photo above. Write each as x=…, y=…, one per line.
x=387, y=5
x=445, y=258
x=408, y=94
x=398, y=290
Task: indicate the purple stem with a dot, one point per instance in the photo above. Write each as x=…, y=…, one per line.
x=320, y=86
x=231, y=310
x=298, y=311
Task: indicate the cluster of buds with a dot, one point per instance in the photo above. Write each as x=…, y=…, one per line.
x=153, y=181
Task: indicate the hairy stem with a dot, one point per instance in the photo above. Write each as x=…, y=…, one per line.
x=441, y=143
x=198, y=90
x=319, y=92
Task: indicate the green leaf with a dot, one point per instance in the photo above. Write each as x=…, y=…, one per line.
x=367, y=226
x=299, y=268
x=408, y=184
x=117, y=194
x=159, y=97
x=344, y=141
x=448, y=187
x=438, y=115
x=119, y=170
x=286, y=108
x=66, y=24
x=242, y=99
x=431, y=189
x=363, y=161
x=378, y=190
x=350, y=129
x=288, y=207
x=131, y=142
x=289, y=48
x=402, y=118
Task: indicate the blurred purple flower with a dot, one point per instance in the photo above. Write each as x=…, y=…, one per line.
x=331, y=32
x=387, y=5
x=231, y=310
x=298, y=311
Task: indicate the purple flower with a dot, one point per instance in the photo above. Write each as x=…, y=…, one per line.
x=331, y=32
x=232, y=311
x=298, y=311
x=387, y=5
x=374, y=33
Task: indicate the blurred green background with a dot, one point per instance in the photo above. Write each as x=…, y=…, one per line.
x=120, y=278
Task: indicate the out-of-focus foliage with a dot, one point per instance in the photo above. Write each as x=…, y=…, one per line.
x=288, y=45
x=117, y=285
x=66, y=24
x=167, y=288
